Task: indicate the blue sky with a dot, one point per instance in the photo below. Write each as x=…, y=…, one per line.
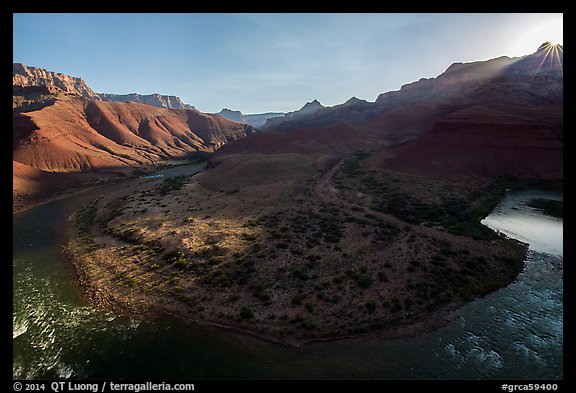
x=269, y=62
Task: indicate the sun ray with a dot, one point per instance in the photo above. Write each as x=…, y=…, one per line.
x=546, y=46
x=557, y=54
x=550, y=57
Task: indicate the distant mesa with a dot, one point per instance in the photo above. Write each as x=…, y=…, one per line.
x=157, y=100
x=33, y=76
x=232, y=115
x=24, y=76
x=61, y=126
x=256, y=120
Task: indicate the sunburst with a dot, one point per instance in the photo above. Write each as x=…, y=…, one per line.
x=551, y=55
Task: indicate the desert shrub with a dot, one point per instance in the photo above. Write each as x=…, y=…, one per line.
x=210, y=251
x=360, y=154
x=176, y=257
x=259, y=291
x=222, y=279
x=249, y=237
x=217, y=259
x=396, y=306
x=447, y=251
x=171, y=184
x=246, y=313
x=308, y=325
x=262, y=295
x=251, y=223
x=139, y=248
x=301, y=274
x=322, y=296
x=364, y=282
x=370, y=306
x=352, y=167
x=313, y=258
x=298, y=298
x=297, y=319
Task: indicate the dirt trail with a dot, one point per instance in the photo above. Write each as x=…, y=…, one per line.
x=326, y=192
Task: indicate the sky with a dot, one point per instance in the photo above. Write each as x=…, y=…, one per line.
x=260, y=62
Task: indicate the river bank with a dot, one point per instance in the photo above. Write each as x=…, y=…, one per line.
x=225, y=250
x=57, y=186
x=512, y=333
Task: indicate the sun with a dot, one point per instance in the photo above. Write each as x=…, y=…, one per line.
x=549, y=30
x=552, y=57
x=551, y=46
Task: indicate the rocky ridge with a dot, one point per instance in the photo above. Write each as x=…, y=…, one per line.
x=255, y=119
x=24, y=76
x=157, y=100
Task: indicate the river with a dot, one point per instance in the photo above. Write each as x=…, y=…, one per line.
x=513, y=333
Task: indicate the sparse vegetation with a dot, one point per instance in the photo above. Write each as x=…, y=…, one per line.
x=329, y=265
x=171, y=184
x=364, y=282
